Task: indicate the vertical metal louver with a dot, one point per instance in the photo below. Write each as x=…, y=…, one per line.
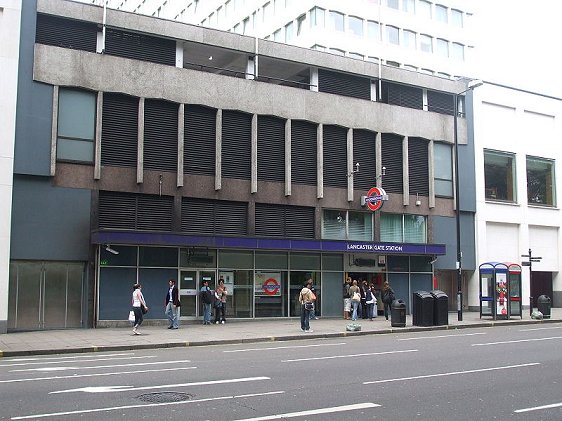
x=284, y=221
x=344, y=84
x=303, y=152
x=440, y=102
x=66, y=33
x=236, y=144
x=335, y=156
x=154, y=212
x=364, y=152
x=214, y=217
x=160, y=135
x=392, y=156
x=140, y=47
x=200, y=134
x=271, y=148
x=418, y=166
x=402, y=95
x=119, y=135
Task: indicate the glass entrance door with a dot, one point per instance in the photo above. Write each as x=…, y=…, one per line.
x=190, y=283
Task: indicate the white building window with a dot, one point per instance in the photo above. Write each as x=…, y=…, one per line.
x=426, y=43
x=278, y=36
x=392, y=35
x=409, y=39
x=355, y=26
x=540, y=181
x=347, y=225
x=337, y=51
x=441, y=13
x=373, y=30
x=393, y=4
x=336, y=21
x=396, y=228
x=442, y=47
x=317, y=17
x=443, y=169
x=289, y=32
x=457, y=18
x=457, y=51
x=499, y=176
x=424, y=9
x=300, y=24
x=409, y=6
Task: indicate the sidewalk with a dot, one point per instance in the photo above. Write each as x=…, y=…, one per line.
x=192, y=334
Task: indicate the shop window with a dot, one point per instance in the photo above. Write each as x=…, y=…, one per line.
x=76, y=125
x=499, y=176
x=540, y=181
x=236, y=259
x=271, y=260
x=443, y=170
x=304, y=261
x=347, y=225
x=396, y=228
x=158, y=256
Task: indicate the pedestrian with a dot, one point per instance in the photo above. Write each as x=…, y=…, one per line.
x=363, y=309
x=374, y=309
x=306, y=299
x=172, y=305
x=346, y=299
x=220, y=302
x=387, y=298
x=139, y=307
x=355, y=294
x=207, y=298
x=313, y=311
x=370, y=301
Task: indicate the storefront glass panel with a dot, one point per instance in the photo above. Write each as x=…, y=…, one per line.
x=332, y=262
x=115, y=292
x=271, y=260
x=154, y=283
x=198, y=257
x=127, y=256
x=270, y=290
x=158, y=256
x=240, y=301
x=236, y=259
x=305, y=261
x=297, y=281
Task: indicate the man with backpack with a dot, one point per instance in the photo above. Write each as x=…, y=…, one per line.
x=206, y=296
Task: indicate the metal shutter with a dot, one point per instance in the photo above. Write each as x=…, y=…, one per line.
x=214, y=217
x=160, y=135
x=154, y=212
x=271, y=148
x=344, y=84
x=117, y=210
x=119, y=134
x=199, y=140
x=440, y=102
x=231, y=218
x=66, y=33
x=299, y=222
x=364, y=152
x=236, y=144
x=418, y=166
x=140, y=47
x=197, y=216
x=402, y=95
x=335, y=156
x=303, y=152
x=270, y=220
x=392, y=181
x=284, y=221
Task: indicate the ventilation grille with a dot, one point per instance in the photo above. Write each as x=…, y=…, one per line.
x=364, y=152
x=140, y=47
x=66, y=33
x=392, y=181
x=439, y=102
x=214, y=217
x=199, y=140
x=303, y=152
x=344, y=84
x=402, y=95
x=236, y=144
x=160, y=135
x=284, y=221
x=119, y=134
x=271, y=148
x=335, y=156
x=418, y=166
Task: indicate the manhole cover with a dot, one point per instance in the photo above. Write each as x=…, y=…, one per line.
x=163, y=397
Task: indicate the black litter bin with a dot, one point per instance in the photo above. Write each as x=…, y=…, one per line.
x=544, y=305
x=398, y=313
x=422, y=309
x=440, y=308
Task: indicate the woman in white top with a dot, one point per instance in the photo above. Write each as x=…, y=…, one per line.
x=138, y=303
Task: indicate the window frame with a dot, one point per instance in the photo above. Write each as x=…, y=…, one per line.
x=403, y=236
x=443, y=153
x=547, y=190
x=346, y=216
x=491, y=191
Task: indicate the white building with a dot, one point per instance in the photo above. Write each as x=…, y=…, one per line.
x=517, y=147
x=425, y=36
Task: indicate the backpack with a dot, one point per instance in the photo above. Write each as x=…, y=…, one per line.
x=206, y=296
x=368, y=295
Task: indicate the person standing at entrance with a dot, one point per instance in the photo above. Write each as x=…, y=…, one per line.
x=207, y=298
x=387, y=298
x=139, y=307
x=172, y=305
x=355, y=294
x=306, y=299
x=220, y=302
x=347, y=299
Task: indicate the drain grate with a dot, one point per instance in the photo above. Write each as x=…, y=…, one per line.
x=164, y=397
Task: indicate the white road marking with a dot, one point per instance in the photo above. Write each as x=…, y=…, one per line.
x=452, y=373
x=538, y=408
x=85, y=361
x=348, y=356
x=94, y=367
x=121, y=354
x=540, y=328
x=77, y=376
x=441, y=336
x=105, y=389
x=151, y=405
x=284, y=347
x=518, y=340
x=330, y=410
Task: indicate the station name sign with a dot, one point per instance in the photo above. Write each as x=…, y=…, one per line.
x=375, y=247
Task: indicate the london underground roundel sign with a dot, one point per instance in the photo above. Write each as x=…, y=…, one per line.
x=375, y=198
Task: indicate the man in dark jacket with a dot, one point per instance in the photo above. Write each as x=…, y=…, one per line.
x=172, y=305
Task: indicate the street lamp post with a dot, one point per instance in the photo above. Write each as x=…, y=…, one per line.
x=471, y=85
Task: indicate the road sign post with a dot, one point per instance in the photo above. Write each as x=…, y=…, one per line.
x=530, y=264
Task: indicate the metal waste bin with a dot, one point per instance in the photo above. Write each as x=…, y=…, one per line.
x=422, y=308
x=544, y=304
x=440, y=308
x=398, y=313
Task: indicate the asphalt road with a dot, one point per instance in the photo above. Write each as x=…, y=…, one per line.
x=511, y=372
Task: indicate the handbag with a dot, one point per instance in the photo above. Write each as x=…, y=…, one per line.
x=356, y=297
x=144, y=309
x=309, y=306
x=132, y=316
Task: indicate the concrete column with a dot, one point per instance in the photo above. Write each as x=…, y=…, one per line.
x=431, y=166
x=140, y=144
x=405, y=172
x=181, y=118
x=320, y=161
x=97, y=146
x=378, y=159
x=350, y=165
x=288, y=157
x=54, y=130
x=218, y=151
x=254, y=157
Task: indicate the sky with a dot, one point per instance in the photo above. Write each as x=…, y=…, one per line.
x=519, y=43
